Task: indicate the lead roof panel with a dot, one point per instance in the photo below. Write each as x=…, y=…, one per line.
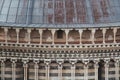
x=59, y=12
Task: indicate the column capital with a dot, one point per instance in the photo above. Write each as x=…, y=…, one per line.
x=73, y=61
x=60, y=62
x=80, y=30
x=13, y=60
x=17, y=30
x=93, y=30
x=40, y=31
x=29, y=30
x=104, y=30
x=53, y=31
x=6, y=29
x=36, y=61
x=2, y=60
x=114, y=30
x=67, y=31
x=47, y=61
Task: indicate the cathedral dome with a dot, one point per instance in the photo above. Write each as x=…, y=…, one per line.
x=59, y=13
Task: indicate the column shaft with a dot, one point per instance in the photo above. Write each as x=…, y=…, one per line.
x=17, y=31
x=93, y=36
x=96, y=71
x=53, y=32
x=66, y=31
x=73, y=72
x=40, y=32
x=114, y=31
x=80, y=32
x=117, y=70
x=36, y=71
x=25, y=71
x=104, y=31
x=2, y=70
x=13, y=70
x=47, y=72
x=106, y=71
x=85, y=72
x=60, y=71
x=6, y=31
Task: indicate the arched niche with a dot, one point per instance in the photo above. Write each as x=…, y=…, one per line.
x=23, y=36
x=60, y=37
x=109, y=36
x=73, y=37
x=35, y=36
x=98, y=36
x=46, y=37
x=12, y=35
x=2, y=35
x=86, y=37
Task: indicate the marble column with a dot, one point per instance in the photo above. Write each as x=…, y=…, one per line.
x=85, y=70
x=80, y=32
x=66, y=31
x=104, y=32
x=115, y=31
x=96, y=70
x=117, y=70
x=17, y=31
x=47, y=66
x=25, y=65
x=40, y=32
x=73, y=71
x=13, y=70
x=60, y=70
x=36, y=67
x=29, y=32
x=93, y=36
x=106, y=70
x=6, y=31
x=2, y=70
x=53, y=34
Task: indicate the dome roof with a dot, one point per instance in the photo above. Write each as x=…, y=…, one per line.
x=37, y=13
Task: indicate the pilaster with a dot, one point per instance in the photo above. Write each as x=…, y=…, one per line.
x=114, y=31
x=106, y=69
x=53, y=34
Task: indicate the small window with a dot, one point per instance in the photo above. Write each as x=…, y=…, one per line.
x=59, y=34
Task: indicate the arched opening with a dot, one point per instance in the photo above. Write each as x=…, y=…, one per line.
x=66, y=71
x=79, y=70
x=54, y=71
x=46, y=37
x=73, y=37
x=35, y=36
x=23, y=36
x=12, y=35
x=8, y=70
x=42, y=71
x=118, y=36
x=19, y=70
x=2, y=35
x=60, y=37
x=101, y=70
x=98, y=36
x=31, y=71
x=91, y=70
x=109, y=36
x=86, y=37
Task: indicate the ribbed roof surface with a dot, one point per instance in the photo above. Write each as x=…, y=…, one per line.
x=62, y=12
